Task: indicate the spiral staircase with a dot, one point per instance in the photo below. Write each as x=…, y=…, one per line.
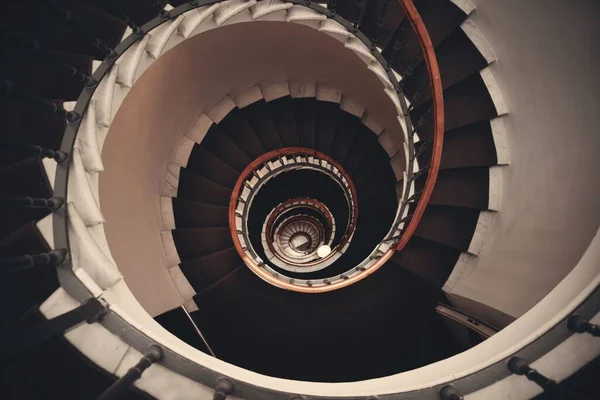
x=310, y=231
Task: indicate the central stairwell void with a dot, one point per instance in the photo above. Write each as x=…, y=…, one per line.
x=275, y=200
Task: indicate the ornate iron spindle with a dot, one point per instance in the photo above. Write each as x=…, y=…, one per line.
x=137, y=31
x=223, y=388
x=66, y=16
x=414, y=196
x=356, y=22
x=58, y=156
x=14, y=343
x=114, y=391
x=380, y=23
x=10, y=91
x=578, y=324
x=398, y=41
x=52, y=204
x=27, y=261
x=422, y=121
x=410, y=69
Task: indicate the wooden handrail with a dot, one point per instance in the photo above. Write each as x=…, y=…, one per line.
x=433, y=72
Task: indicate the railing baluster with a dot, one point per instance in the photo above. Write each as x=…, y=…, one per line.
x=15, y=342
x=518, y=366
x=380, y=23
x=418, y=94
x=114, y=391
x=356, y=22
x=66, y=16
x=9, y=90
x=331, y=5
x=88, y=81
x=28, y=261
x=53, y=203
x=35, y=150
x=137, y=31
x=410, y=69
x=56, y=155
x=160, y=8
x=578, y=324
x=223, y=388
x=449, y=392
x=404, y=26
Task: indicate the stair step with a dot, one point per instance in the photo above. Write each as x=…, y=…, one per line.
x=45, y=78
x=347, y=129
x=457, y=57
x=394, y=18
x=441, y=18
x=239, y=131
x=323, y=334
x=465, y=103
x=282, y=112
x=203, y=162
x=34, y=374
x=177, y=322
x=305, y=114
x=197, y=242
x=463, y=187
x=19, y=291
x=48, y=28
x=140, y=11
x=261, y=122
x=468, y=146
x=430, y=261
x=451, y=226
x=203, y=271
x=328, y=115
x=193, y=186
x=193, y=214
x=24, y=123
x=224, y=148
x=364, y=141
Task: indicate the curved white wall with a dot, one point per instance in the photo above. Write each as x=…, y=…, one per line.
x=172, y=93
x=547, y=67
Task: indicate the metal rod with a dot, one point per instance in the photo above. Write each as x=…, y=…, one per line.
x=15, y=342
x=198, y=331
x=28, y=261
x=380, y=23
x=578, y=324
x=223, y=388
x=66, y=16
x=56, y=155
x=449, y=392
x=519, y=366
x=53, y=203
x=356, y=22
x=117, y=389
x=9, y=90
x=137, y=31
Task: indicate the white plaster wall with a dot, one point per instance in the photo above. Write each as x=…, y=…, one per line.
x=171, y=94
x=547, y=67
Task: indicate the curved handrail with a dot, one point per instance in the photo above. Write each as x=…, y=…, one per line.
x=433, y=72
x=237, y=191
